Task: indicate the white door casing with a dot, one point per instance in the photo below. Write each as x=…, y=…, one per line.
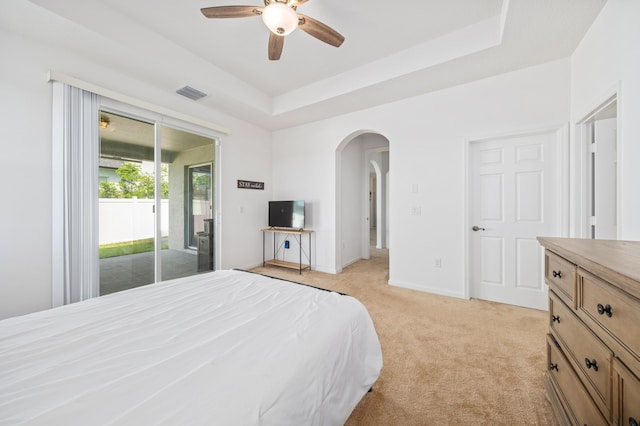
x=513, y=186
x=599, y=191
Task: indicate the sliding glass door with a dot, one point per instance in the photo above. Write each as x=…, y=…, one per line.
x=187, y=210
x=146, y=213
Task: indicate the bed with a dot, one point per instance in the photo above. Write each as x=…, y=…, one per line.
x=224, y=348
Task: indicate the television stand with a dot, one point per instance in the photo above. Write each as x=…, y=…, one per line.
x=279, y=247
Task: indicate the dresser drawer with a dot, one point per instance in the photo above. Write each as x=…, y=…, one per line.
x=589, y=355
x=561, y=274
x=578, y=403
x=615, y=311
x=626, y=396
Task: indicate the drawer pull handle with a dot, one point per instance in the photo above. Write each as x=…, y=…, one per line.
x=633, y=422
x=605, y=309
x=553, y=367
x=591, y=363
x=555, y=318
x=557, y=274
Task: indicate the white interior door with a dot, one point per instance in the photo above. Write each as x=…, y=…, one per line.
x=604, y=172
x=512, y=201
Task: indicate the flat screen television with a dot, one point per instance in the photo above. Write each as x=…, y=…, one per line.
x=286, y=214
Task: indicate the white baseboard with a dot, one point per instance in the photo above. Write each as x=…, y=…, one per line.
x=324, y=269
x=426, y=289
x=249, y=267
x=350, y=262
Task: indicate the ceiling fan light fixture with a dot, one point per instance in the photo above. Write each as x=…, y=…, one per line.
x=104, y=121
x=280, y=18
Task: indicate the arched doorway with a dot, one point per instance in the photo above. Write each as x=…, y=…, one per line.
x=362, y=169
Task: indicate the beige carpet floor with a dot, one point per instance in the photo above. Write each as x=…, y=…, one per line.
x=447, y=361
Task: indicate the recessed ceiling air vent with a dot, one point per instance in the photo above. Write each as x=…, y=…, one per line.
x=191, y=93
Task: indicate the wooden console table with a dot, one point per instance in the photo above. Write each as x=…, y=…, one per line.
x=277, y=248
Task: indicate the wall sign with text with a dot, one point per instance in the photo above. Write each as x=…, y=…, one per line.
x=247, y=184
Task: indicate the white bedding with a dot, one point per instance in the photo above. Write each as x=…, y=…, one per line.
x=222, y=348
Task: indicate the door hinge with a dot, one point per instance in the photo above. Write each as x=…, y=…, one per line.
x=592, y=221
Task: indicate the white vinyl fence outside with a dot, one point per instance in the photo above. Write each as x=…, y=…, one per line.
x=129, y=219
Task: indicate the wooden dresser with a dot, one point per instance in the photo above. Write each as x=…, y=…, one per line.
x=593, y=345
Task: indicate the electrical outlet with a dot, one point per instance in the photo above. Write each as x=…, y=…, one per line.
x=437, y=262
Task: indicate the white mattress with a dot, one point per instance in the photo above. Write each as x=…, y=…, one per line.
x=223, y=348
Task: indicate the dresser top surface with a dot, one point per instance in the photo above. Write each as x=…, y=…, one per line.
x=615, y=261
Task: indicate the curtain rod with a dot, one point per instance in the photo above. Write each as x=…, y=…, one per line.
x=67, y=79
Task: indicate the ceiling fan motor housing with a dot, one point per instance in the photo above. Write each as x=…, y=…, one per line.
x=280, y=18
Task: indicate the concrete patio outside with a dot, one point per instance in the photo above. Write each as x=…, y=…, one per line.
x=134, y=270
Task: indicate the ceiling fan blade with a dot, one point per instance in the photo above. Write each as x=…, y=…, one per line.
x=231, y=11
x=275, y=46
x=320, y=31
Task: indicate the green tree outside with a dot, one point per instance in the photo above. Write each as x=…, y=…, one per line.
x=135, y=183
x=109, y=190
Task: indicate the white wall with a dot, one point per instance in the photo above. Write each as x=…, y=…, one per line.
x=25, y=173
x=427, y=147
x=608, y=57
x=26, y=166
x=352, y=193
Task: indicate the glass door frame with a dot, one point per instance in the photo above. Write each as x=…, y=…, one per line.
x=189, y=231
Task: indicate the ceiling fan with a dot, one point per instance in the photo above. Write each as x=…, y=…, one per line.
x=281, y=18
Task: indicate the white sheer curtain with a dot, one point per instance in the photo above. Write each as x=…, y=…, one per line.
x=76, y=152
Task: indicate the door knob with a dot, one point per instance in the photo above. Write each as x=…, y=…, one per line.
x=477, y=228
